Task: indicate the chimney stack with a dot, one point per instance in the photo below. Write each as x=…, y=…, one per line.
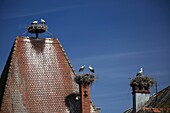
x=140, y=91
x=85, y=98
x=140, y=97
x=84, y=81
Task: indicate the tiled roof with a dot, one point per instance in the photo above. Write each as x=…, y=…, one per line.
x=158, y=103
x=154, y=110
x=38, y=77
x=160, y=100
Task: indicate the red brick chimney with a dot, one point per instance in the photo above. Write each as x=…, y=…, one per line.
x=84, y=81
x=85, y=98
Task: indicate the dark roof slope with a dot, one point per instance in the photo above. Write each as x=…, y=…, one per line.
x=160, y=100
x=38, y=77
x=158, y=103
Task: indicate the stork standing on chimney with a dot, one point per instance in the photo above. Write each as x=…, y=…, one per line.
x=140, y=72
x=91, y=68
x=81, y=68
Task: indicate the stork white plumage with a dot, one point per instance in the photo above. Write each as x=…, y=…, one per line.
x=140, y=72
x=81, y=68
x=35, y=22
x=42, y=21
x=91, y=68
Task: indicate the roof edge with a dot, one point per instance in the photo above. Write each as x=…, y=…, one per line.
x=67, y=58
x=5, y=72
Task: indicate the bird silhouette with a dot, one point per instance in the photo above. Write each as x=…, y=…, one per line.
x=42, y=21
x=140, y=72
x=91, y=68
x=35, y=22
x=81, y=68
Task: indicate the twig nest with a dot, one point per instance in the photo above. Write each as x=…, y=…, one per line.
x=85, y=79
x=142, y=82
x=37, y=28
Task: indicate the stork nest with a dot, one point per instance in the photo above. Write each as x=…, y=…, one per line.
x=142, y=82
x=85, y=79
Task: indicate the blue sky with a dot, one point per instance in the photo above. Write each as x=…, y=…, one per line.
x=116, y=37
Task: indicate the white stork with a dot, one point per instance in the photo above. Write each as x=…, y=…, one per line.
x=140, y=72
x=81, y=68
x=35, y=22
x=91, y=68
x=42, y=21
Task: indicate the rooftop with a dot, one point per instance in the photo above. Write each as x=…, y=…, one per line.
x=38, y=77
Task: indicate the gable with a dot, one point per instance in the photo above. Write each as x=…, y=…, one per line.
x=38, y=77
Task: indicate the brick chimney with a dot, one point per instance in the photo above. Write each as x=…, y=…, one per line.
x=84, y=81
x=140, y=91
x=85, y=98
